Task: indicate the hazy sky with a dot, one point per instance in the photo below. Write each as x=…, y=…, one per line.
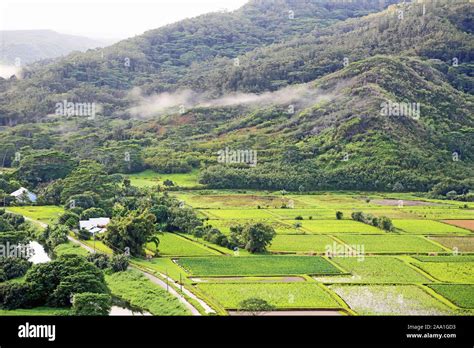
x=114, y=19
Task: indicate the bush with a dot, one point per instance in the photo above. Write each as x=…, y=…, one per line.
x=88, y=303
x=255, y=306
x=299, y=217
x=253, y=237
x=92, y=213
x=339, y=215
x=99, y=260
x=119, y=263
x=69, y=219
x=13, y=267
x=15, y=295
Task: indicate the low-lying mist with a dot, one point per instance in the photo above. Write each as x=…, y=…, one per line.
x=300, y=96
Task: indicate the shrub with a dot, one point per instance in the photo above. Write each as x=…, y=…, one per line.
x=92, y=213
x=15, y=295
x=339, y=215
x=88, y=303
x=13, y=267
x=99, y=260
x=119, y=263
x=255, y=306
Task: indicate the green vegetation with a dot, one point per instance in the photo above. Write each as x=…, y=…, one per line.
x=257, y=265
x=70, y=248
x=281, y=295
x=139, y=291
x=45, y=214
x=299, y=243
x=174, y=245
x=459, y=294
x=148, y=178
x=427, y=227
x=391, y=243
x=338, y=226
x=452, y=272
x=375, y=269
x=37, y=311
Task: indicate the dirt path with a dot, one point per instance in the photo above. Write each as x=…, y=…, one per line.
x=170, y=290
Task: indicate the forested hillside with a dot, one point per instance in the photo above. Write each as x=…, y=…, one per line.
x=304, y=84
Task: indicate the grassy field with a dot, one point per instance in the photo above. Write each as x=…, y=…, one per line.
x=391, y=243
x=375, y=269
x=135, y=288
x=46, y=214
x=451, y=272
x=175, y=245
x=280, y=227
x=339, y=226
x=70, y=248
x=37, y=311
x=149, y=178
x=257, y=265
x=390, y=300
x=461, y=295
x=301, y=243
x=281, y=295
x=427, y=227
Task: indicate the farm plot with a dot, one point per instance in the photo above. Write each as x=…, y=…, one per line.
x=437, y=213
x=451, y=272
x=391, y=243
x=390, y=300
x=280, y=295
x=306, y=214
x=237, y=214
x=149, y=178
x=257, y=265
x=175, y=245
x=445, y=258
x=427, y=227
x=301, y=243
x=461, y=244
x=339, y=226
x=375, y=269
x=467, y=224
x=279, y=227
x=462, y=295
x=230, y=199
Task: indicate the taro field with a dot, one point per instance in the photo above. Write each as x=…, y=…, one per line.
x=321, y=264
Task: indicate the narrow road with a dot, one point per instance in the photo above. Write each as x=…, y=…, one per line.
x=170, y=290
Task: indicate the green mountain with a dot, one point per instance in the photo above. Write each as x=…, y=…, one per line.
x=327, y=95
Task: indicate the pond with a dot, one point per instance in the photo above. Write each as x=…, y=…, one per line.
x=40, y=255
x=123, y=308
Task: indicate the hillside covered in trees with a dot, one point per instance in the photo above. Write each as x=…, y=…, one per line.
x=365, y=95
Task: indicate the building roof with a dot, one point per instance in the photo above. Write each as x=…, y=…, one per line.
x=94, y=225
x=18, y=194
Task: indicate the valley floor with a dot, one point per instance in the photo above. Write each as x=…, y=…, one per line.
x=316, y=264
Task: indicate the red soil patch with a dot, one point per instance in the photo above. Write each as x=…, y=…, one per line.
x=467, y=224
